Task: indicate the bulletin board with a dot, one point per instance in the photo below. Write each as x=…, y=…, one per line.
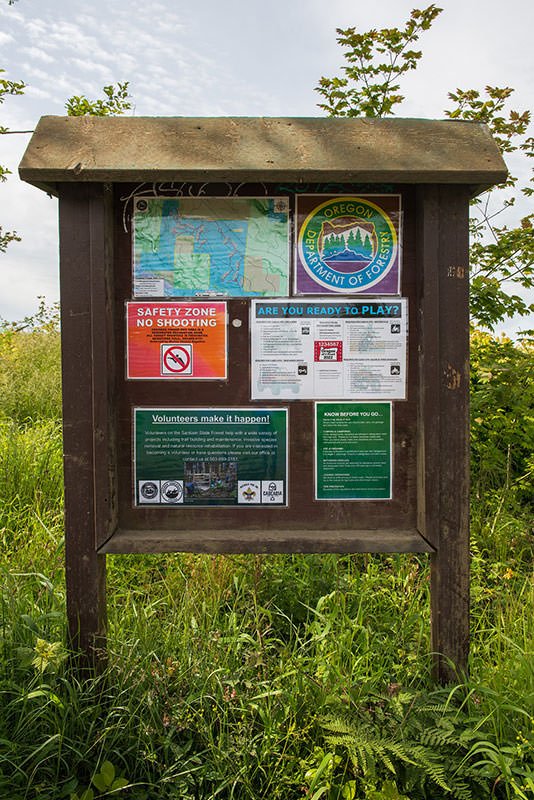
x=217, y=322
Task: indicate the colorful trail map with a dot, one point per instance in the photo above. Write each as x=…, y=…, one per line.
x=211, y=246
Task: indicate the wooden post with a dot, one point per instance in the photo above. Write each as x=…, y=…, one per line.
x=443, y=249
x=82, y=260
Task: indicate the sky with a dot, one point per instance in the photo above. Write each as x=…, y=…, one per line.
x=220, y=58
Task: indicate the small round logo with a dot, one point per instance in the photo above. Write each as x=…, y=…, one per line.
x=347, y=244
x=141, y=205
x=149, y=490
x=172, y=492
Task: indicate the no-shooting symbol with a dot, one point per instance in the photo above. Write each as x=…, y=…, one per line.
x=176, y=359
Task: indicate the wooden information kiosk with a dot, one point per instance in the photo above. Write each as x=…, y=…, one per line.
x=265, y=342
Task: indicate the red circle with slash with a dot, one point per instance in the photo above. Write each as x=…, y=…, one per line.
x=177, y=359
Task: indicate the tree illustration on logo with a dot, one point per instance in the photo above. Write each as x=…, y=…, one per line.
x=353, y=244
x=332, y=245
x=366, y=248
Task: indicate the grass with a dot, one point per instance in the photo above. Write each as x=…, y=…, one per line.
x=242, y=677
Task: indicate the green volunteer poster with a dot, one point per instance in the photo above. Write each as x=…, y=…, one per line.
x=353, y=451
x=210, y=457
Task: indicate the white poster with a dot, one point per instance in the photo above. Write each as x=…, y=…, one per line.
x=314, y=350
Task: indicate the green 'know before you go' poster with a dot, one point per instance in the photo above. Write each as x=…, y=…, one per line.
x=353, y=451
x=210, y=457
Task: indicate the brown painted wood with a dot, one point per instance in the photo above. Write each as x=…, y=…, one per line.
x=103, y=367
x=267, y=541
x=427, y=332
x=405, y=412
x=81, y=213
x=450, y=563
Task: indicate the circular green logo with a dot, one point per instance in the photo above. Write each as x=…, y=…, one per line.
x=347, y=244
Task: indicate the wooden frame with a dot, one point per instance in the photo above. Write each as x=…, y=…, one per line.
x=430, y=509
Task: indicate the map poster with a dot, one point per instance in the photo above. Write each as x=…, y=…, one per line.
x=353, y=451
x=318, y=349
x=210, y=457
x=176, y=340
x=211, y=246
x=348, y=245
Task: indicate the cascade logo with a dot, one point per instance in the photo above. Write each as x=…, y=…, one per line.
x=347, y=244
x=272, y=492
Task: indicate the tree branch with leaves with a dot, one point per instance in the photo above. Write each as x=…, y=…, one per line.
x=369, y=86
x=116, y=101
x=8, y=88
x=376, y=60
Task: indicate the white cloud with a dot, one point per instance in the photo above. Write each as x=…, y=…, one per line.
x=39, y=54
x=34, y=91
x=40, y=74
x=94, y=69
x=36, y=28
x=10, y=14
x=71, y=37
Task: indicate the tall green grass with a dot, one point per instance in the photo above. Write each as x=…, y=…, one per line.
x=253, y=676
x=214, y=689
x=30, y=379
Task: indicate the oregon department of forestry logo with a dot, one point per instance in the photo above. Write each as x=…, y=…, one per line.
x=347, y=244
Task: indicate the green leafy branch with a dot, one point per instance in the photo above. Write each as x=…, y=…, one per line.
x=8, y=88
x=376, y=59
x=509, y=256
x=505, y=124
x=116, y=101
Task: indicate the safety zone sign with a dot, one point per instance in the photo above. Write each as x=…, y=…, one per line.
x=176, y=340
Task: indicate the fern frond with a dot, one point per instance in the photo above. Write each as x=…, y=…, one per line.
x=437, y=753
x=338, y=725
x=425, y=759
x=437, y=737
x=436, y=708
x=461, y=791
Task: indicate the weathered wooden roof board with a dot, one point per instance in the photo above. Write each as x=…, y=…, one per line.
x=260, y=149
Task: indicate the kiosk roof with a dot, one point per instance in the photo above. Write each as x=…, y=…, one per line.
x=260, y=149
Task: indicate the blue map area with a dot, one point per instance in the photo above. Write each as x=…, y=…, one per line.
x=228, y=246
